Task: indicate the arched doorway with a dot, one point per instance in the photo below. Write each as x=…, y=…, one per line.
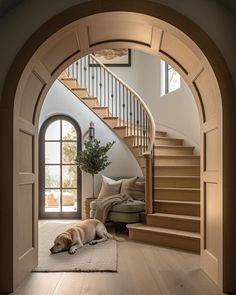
x=153, y=32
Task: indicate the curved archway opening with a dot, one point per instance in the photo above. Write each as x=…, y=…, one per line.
x=115, y=30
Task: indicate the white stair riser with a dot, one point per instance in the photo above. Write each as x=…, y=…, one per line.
x=173, y=151
x=177, y=182
x=174, y=223
x=166, y=239
x=177, y=171
x=177, y=195
x=177, y=208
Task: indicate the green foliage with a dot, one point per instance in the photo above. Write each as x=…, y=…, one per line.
x=93, y=158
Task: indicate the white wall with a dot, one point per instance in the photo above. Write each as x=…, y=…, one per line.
x=60, y=100
x=175, y=112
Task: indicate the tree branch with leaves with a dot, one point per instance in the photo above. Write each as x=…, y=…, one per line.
x=94, y=158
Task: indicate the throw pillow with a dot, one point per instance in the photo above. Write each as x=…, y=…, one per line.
x=134, y=189
x=109, y=180
x=109, y=188
x=127, y=183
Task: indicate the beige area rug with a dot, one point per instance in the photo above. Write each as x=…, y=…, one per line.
x=101, y=257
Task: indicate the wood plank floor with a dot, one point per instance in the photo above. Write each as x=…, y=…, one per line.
x=142, y=269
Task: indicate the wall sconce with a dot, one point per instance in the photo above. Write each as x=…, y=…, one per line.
x=91, y=130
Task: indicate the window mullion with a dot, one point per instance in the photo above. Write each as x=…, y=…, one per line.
x=61, y=165
x=166, y=78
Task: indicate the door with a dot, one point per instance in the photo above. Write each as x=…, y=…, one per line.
x=59, y=177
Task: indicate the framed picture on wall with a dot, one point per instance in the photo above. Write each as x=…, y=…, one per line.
x=114, y=57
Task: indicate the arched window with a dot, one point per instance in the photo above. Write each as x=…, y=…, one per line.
x=60, y=178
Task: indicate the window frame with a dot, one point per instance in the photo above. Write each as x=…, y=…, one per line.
x=165, y=84
x=42, y=164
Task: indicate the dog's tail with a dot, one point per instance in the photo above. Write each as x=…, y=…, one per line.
x=113, y=237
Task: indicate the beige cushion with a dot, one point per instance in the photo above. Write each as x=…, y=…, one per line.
x=134, y=189
x=126, y=207
x=109, y=189
x=129, y=186
x=126, y=183
x=110, y=180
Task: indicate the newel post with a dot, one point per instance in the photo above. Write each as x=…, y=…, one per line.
x=148, y=183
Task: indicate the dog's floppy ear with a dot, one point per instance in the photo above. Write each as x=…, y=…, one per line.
x=67, y=239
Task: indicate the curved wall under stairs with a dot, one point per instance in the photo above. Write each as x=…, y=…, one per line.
x=60, y=100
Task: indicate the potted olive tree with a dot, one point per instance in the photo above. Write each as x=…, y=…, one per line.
x=93, y=158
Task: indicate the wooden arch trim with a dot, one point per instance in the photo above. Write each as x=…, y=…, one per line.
x=9, y=106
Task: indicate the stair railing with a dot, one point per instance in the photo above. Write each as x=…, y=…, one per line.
x=123, y=103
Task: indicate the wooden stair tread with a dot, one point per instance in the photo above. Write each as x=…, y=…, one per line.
x=179, y=188
x=174, y=177
x=120, y=127
x=69, y=79
x=178, y=166
x=155, y=136
x=154, y=229
x=136, y=146
x=89, y=98
x=177, y=202
x=162, y=132
x=168, y=146
x=178, y=156
x=164, y=137
x=173, y=146
x=175, y=166
x=189, y=217
x=78, y=88
x=99, y=108
x=107, y=118
x=175, y=156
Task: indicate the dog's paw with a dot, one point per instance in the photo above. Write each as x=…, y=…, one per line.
x=72, y=251
x=93, y=243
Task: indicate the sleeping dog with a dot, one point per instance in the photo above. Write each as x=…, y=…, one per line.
x=82, y=233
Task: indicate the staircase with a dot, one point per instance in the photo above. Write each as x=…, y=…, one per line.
x=175, y=221
x=171, y=170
